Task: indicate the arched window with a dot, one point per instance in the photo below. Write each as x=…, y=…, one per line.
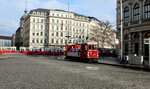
x=126, y=14
x=136, y=36
x=136, y=12
x=126, y=37
x=147, y=9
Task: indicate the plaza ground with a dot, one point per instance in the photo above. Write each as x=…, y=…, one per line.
x=50, y=72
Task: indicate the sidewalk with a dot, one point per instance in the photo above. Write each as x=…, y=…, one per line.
x=108, y=60
x=113, y=61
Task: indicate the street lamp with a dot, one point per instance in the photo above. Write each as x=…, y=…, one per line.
x=68, y=35
x=121, y=29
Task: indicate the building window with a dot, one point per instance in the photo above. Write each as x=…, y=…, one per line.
x=42, y=20
x=41, y=41
x=57, y=27
x=37, y=40
x=37, y=20
x=56, y=33
x=41, y=26
x=61, y=34
x=136, y=12
x=33, y=41
x=61, y=41
x=53, y=21
x=56, y=41
x=33, y=33
x=52, y=34
x=57, y=21
x=126, y=15
x=52, y=27
x=46, y=27
x=66, y=27
x=33, y=26
x=37, y=34
x=147, y=9
x=126, y=37
x=52, y=41
x=65, y=41
x=45, y=41
x=33, y=19
x=41, y=33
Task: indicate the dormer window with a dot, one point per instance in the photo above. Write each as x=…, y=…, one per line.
x=34, y=13
x=38, y=13
x=42, y=14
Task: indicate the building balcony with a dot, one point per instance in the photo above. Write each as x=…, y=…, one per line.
x=135, y=22
x=145, y=20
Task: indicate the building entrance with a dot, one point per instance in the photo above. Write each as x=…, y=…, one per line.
x=146, y=53
x=136, y=48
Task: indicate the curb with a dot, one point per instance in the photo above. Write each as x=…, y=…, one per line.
x=3, y=58
x=128, y=66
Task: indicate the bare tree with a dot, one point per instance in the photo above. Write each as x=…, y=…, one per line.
x=102, y=33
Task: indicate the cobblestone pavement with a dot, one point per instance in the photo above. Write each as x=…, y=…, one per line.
x=38, y=72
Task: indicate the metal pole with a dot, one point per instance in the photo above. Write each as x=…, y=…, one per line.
x=68, y=35
x=121, y=29
x=68, y=24
x=149, y=54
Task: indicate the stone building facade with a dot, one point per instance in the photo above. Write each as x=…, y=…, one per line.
x=136, y=26
x=49, y=28
x=53, y=28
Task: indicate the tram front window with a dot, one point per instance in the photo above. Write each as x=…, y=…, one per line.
x=92, y=47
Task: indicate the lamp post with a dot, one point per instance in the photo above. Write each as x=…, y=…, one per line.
x=121, y=30
x=68, y=35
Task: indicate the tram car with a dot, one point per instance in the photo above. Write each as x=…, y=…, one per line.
x=4, y=50
x=42, y=51
x=107, y=52
x=86, y=51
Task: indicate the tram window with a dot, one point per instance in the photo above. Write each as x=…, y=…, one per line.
x=92, y=47
x=84, y=47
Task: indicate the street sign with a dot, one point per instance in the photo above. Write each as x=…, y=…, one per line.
x=146, y=41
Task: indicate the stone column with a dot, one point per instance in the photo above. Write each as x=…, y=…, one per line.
x=130, y=44
x=140, y=44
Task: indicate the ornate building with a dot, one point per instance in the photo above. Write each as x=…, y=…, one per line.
x=19, y=31
x=136, y=26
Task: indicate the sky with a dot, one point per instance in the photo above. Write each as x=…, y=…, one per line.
x=12, y=10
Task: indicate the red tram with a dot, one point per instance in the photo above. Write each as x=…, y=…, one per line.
x=87, y=51
x=4, y=50
x=42, y=51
